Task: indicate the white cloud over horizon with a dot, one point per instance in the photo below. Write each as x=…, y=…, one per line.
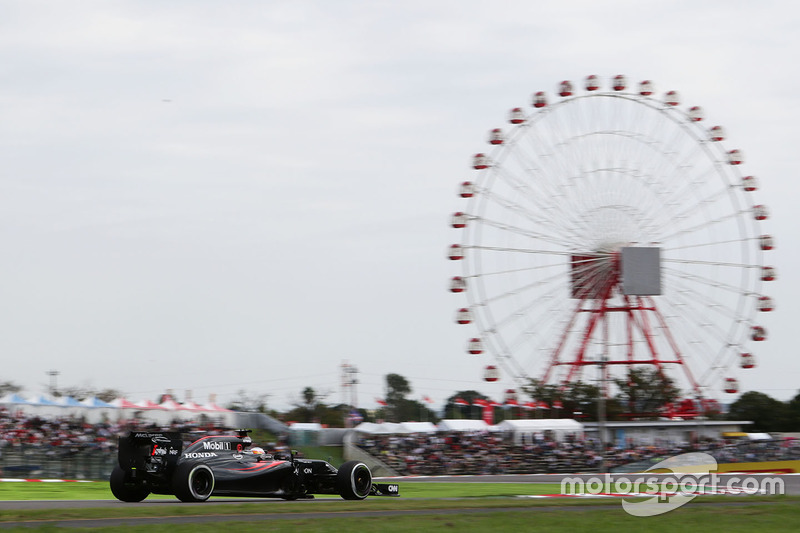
x=233, y=196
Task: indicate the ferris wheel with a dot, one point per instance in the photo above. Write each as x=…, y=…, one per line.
x=609, y=228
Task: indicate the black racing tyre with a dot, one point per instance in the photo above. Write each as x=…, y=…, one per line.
x=193, y=482
x=126, y=491
x=354, y=481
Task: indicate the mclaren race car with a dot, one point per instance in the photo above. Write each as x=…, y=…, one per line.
x=227, y=465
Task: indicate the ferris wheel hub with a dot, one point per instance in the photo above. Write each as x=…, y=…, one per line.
x=661, y=238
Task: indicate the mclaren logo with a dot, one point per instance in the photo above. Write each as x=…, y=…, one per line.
x=153, y=436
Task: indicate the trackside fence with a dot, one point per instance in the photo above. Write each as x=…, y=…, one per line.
x=36, y=464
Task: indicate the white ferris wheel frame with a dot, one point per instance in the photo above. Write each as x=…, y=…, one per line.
x=558, y=196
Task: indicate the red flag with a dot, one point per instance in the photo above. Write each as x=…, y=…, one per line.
x=381, y=402
x=488, y=414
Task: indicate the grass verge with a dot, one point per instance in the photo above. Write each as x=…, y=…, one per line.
x=467, y=507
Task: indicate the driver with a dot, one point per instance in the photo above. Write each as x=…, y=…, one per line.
x=259, y=453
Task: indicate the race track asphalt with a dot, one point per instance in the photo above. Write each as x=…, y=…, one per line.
x=327, y=509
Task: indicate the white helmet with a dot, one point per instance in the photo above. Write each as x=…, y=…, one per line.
x=257, y=451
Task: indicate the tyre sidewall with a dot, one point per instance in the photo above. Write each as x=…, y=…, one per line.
x=183, y=482
x=347, y=481
x=126, y=491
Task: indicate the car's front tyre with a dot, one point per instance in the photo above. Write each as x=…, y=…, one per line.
x=125, y=490
x=354, y=481
x=193, y=482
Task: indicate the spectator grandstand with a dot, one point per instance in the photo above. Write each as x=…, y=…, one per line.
x=72, y=447
x=476, y=453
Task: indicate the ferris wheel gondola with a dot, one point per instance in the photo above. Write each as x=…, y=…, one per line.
x=611, y=226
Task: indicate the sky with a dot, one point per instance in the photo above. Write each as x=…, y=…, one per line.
x=216, y=197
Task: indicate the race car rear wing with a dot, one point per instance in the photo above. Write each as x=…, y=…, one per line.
x=149, y=451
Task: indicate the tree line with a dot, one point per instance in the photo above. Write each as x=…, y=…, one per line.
x=643, y=394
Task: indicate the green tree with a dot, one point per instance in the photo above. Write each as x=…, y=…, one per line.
x=398, y=407
x=397, y=387
x=645, y=391
x=309, y=408
x=543, y=392
x=793, y=413
x=83, y=392
x=451, y=410
x=415, y=411
x=310, y=398
x=107, y=395
x=766, y=413
x=580, y=400
x=8, y=386
x=254, y=403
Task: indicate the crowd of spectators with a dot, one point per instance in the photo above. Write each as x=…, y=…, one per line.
x=745, y=451
x=47, y=445
x=66, y=436
x=70, y=447
x=37, y=446
x=442, y=453
x=455, y=453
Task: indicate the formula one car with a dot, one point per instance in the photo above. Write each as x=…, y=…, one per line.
x=227, y=465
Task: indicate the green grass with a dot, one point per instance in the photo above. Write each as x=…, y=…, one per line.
x=99, y=490
x=472, y=507
x=778, y=516
x=332, y=454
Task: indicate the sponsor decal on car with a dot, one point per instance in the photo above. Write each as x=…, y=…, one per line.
x=158, y=451
x=154, y=436
x=199, y=455
x=217, y=445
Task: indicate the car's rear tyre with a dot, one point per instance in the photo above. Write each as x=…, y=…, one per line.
x=354, y=481
x=193, y=482
x=126, y=491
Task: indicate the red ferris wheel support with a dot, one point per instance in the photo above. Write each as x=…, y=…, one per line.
x=597, y=285
x=594, y=183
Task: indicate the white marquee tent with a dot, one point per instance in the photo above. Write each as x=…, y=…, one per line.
x=393, y=428
x=457, y=424
x=527, y=429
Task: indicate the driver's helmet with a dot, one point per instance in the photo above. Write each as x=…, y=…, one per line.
x=257, y=450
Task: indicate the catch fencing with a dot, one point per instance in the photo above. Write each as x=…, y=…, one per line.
x=34, y=464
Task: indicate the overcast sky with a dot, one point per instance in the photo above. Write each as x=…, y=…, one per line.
x=222, y=196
